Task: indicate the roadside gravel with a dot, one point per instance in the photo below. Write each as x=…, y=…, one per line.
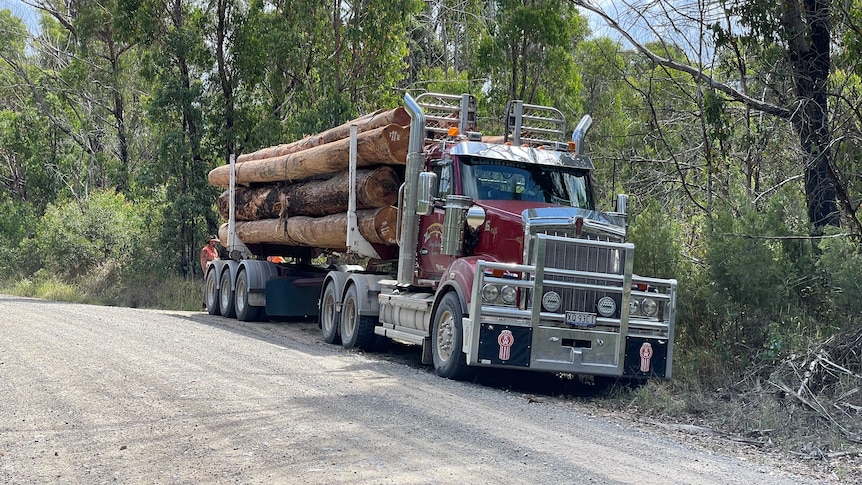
x=99, y=394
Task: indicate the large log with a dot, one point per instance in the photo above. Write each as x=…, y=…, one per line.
x=267, y=231
x=387, y=145
x=316, y=198
x=330, y=232
x=364, y=123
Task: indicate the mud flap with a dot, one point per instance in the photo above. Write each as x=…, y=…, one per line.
x=505, y=345
x=645, y=357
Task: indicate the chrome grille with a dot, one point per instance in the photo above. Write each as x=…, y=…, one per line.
x=576, y=255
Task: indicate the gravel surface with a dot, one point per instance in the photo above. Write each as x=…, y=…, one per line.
x=93, y=394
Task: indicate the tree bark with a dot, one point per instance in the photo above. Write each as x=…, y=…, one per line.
x=808, y=47
x=330, y=232
x=374, y=188
x=386, y=145
x=364, y=123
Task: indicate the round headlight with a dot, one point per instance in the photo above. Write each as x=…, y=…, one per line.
x=490, y=292
x=551, y=301
x=508, y=294
x=606, y=306
x=649, y=307
x=634, y=306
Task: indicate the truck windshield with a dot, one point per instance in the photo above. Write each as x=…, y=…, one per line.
x=492, y=179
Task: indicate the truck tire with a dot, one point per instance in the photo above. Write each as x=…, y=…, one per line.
x=226, y=296
x=446, y=337
x=244, y=311
x=329, y=315
x=211, y=295
x=357, y=331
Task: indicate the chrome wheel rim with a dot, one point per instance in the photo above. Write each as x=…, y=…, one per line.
x=445, y=335
x=349, y=317
x=240, y=294
x=328, y=317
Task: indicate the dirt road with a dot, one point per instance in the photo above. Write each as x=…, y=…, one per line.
x=93, y=394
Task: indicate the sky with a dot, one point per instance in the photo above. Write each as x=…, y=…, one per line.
x=23, y=11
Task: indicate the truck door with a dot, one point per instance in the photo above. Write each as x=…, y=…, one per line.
x=431, y=262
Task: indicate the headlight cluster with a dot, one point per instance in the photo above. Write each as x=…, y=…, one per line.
x=643, y=307
x=502, y=295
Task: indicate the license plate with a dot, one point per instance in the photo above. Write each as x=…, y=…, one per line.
x=581, y=319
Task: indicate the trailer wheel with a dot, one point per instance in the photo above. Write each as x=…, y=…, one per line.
x=356, y=330
x=244, y=311
x=211, y=295
x=226, y=296
x=329, y=315
x=447, y=335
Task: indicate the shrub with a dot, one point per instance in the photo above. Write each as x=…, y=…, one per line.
x=72, y=239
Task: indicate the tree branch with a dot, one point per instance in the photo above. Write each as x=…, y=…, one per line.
x=695, y=73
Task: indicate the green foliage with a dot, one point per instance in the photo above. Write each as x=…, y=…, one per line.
x=840, y=261
x=73, y=239
x=657, y=240
x=16, y=224
x=526, y=53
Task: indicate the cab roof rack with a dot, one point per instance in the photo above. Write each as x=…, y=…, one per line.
x=444, y=111
x=533, y=125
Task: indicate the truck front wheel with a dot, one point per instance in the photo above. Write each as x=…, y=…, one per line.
x=447, y=335
x=226, y=296
x=329, y=315
x=211, y=295
x=356, y=330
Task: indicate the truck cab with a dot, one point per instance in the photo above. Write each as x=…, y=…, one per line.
x=514, y=266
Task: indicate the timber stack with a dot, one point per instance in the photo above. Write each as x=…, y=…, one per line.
x=297, y=194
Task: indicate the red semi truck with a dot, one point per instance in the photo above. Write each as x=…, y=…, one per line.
x=502, y=259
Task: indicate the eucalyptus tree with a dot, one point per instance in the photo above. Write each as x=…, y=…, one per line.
x=445, y=37
x=176, y=60
x=307, y=65
x=526, y=53
x=799, y=37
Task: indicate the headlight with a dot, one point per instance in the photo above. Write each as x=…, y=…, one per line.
x=649, y=307
x=634, y=306
x=551, y=301
x=606, y=306
x=508, y=294
x=490, y=292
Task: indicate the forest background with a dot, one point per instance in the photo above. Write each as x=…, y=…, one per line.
x=734, y=125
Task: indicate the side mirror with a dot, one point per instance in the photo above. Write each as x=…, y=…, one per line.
x=426, y=192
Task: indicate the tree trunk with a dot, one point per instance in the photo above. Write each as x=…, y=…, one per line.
x=374, y=188
x=375, y=225
x=386, y=145
x=809, y=36
x=365, y=123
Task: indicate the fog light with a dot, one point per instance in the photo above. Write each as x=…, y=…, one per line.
x=551, y=301
x=490, y=292
x=606, y=306
x=649, y=307
x=508, y=294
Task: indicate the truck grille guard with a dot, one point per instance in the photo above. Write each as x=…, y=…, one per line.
x=580, y=272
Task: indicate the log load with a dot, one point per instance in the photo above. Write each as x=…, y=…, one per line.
x=378, y=119
x=316, y=198
x=386, y=145
x=375, y=225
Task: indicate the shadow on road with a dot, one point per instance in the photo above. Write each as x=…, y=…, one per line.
x=307, y=333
